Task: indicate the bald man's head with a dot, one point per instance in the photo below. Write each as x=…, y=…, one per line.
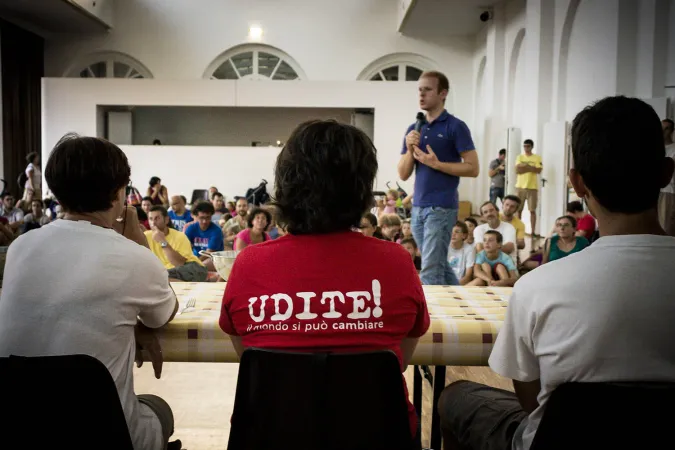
x=178, y=204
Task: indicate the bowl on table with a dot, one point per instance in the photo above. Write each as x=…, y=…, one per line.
x=222, y=261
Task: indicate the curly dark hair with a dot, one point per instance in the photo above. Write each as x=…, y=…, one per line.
x=86, y=173
x=203, y=207
x=257, y=211
x=324, y=178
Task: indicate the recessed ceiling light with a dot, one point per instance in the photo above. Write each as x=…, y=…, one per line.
x=255, y=32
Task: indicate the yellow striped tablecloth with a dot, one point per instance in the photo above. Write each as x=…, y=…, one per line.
x=464, y=325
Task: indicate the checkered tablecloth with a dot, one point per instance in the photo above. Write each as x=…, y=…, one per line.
x=464, y=324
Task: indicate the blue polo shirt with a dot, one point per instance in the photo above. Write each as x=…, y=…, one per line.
x=448, y=137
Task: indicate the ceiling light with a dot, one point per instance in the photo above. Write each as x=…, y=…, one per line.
x=255, y=32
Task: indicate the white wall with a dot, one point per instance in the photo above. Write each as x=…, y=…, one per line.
x=213, y=126
x=232, y=170
x=101, y=9
x=71, y=105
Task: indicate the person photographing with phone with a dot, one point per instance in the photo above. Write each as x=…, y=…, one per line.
x=440, y=150
x=497, y=174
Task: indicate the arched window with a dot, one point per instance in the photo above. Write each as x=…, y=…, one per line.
x=254, y=62
x=108, y=65
x=397, y=67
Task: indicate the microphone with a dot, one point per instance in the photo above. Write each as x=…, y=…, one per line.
x=420, y=121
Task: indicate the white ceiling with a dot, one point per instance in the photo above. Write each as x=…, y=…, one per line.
x=50, y=16
x=445, y=17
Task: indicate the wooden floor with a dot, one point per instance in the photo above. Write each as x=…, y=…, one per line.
x=202, y=397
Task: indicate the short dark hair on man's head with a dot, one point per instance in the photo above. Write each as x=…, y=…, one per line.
x=497, y=234
x=443, y=82
x=410, y=241
x=462, y=226
x=86, y=173
x=161, y=209
x=528, y=142
x=572, y=220
x=485, y=204
x=203, y=207
x=617, y=147
x=255, y=212
x=472, y=220
x=575, y=207
x=502, y=151
x=147, y=198
x=370, y=217
x=217, y=194
x=514, y=198
x=182, y=197
x=324, y=178
x=31, y=156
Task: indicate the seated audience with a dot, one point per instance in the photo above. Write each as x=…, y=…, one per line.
x=239, y=218
x=493, y=267
x=411, y=247
x=204, y=235
x=585, y=222
x=158, y=193
x=491, y=216
x=146, y=204
x=565, y=241
x=667, y=196
x=255, y=232
x=461, y=255
x=406, y=230
x=471, y=225
x=601, y=315
x=98, y=290
x=212, y=192
x=391, y=226
x=510, y=207
x=230, y=235
x=232, y=209
x=173, y=248
x=6, y=233
x=368, y=226
x=333, y=268
x=179, y=214
x=218, y=202
x=36, y=218
x=13, y=215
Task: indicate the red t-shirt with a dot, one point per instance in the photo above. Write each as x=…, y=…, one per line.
x=587, y=224
x=341, y=292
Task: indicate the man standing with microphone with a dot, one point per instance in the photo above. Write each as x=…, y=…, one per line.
x=439, y=148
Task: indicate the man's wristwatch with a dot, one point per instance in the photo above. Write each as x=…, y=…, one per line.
x=164, y=244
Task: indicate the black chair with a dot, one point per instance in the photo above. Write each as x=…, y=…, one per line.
x=319, y=401
x=61, y=401
x=597, y=416
x=199, y=195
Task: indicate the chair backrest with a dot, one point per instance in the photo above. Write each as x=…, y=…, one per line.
x=65, y=401
x=199, y=195
x=319, y=400
x=589, y=416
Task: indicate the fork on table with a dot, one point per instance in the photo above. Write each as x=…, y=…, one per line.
x=190, y=304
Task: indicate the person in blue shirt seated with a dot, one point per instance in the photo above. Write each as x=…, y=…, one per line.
x=203, y=234
x=178, y=214
x=493, y=267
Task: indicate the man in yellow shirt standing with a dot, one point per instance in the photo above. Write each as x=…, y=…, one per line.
x=173, y=248
x=528, y=167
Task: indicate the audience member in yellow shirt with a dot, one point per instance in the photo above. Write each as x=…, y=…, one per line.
x=509, y=209
x=528, y=167
x=173, y=248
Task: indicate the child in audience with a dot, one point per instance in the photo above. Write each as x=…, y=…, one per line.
x=411, y=246
x=390, y=205
x=461, y=256
x=391, y=226
x=471, y=224
x=494, y=267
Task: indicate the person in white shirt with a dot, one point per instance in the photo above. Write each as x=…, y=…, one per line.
x=667, y=196
x=601, y=315
x=33, y=185
x=93, y=287
x=490, y=214
x=461, y=255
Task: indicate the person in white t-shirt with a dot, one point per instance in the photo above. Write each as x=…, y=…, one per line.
x=667, y=196
x=461, y=255
x=601, y=315
x=88, y=284
x=490, y=214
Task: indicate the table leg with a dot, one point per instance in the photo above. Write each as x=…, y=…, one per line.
x=417, y=401
x=439, y=385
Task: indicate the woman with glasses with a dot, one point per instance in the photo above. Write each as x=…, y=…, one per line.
x=564, y=242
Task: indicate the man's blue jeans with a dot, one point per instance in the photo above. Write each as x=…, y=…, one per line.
x=431, y=228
